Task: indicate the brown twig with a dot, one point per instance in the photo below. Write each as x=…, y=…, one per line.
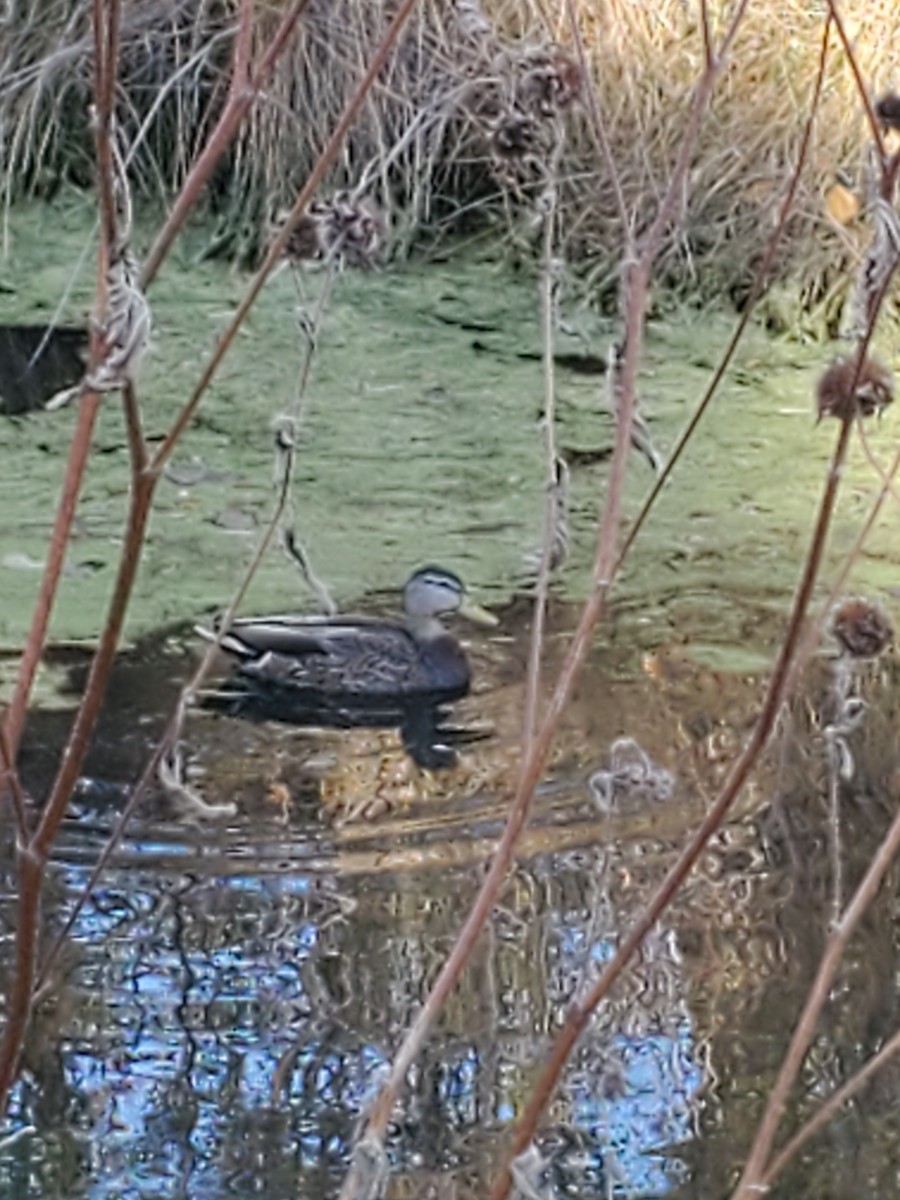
x=327, y=157
x=30, y=875
x=172, y=732
x=752, y=1181
x=89, y=709
x=31, y=855
x=636, y=290
x=137, y=446
x=106, y=31
x=829, y=1109
x=143, y=487
x=152, y=472
x=581, y=1010
x=760, y=281
x=88, y=410
x=758, y=1164
x=245, y=87
x=105, y=35
x=707, y=33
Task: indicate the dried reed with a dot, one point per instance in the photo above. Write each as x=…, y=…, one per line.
x=428, y=140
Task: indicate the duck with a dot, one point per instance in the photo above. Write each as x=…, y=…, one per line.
x=306, y=667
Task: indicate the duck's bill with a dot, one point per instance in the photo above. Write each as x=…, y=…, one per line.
x=475, y=613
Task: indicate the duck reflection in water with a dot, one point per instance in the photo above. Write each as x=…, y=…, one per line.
x=350, y=671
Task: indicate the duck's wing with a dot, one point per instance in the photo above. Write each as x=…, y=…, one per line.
x=251, y=637
x=293, y=636
x=342, y=657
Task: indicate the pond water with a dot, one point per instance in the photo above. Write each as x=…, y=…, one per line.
x=228, y=1000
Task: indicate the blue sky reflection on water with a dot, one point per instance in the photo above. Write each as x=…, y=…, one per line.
x=652, y=1114
x=227, y=1032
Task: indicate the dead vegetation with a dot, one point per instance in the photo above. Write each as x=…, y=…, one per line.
x=456, y=135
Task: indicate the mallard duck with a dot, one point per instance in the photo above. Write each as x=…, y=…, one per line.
x=354, y=664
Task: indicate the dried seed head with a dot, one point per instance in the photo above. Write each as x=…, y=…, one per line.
x=348, y=229
x=351, y=229
x=861, y=629
x=304, y=242
x=552, y=81
x=514, y=135
x=837, y=395
x=887, y=110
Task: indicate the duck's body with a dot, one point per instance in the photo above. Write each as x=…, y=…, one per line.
x=358, y=660
x=356, y=665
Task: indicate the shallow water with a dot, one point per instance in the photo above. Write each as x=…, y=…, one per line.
x=228, y=999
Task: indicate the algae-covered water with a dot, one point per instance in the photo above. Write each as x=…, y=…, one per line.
x=228, y=1000
x=421, y=443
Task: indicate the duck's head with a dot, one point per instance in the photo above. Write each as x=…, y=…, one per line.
x=433, y=592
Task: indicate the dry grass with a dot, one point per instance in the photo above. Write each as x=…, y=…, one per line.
x=426, y=149
x=645, y=59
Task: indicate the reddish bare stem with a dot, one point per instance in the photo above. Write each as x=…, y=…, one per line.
x=829, y=1109
x=326, y=158
x=532, y=768
x=244, y=89
x=636, y=291
x=145, y=483
x=707, y=33
x=380, y=1113
x=30, y=871
x=143, y=488
x=106, y=26
x=750, y=1184
x=170, y=735
x=581, y=1011
x=137, y=447
x=106, y=30
x=243, y=38
x=756, y=291
x=33, y=857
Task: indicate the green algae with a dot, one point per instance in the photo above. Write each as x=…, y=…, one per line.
x=421, y=443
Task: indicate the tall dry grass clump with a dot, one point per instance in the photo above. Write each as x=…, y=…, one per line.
x=644, y=58
x=426, y=147
x=172, y=81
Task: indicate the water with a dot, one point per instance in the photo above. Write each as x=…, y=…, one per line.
x=230, y=997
